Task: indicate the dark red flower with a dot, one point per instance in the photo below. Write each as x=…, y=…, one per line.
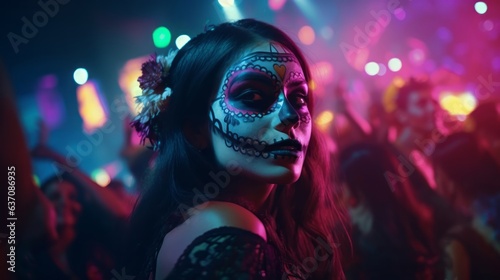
x=151, y=77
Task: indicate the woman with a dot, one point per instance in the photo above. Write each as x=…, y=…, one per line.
x=393, y=235
x=71, y=255
x=484, y=123
x=469, y=178
x=236, y=191
x=89, y=221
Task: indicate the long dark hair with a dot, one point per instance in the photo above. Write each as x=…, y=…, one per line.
x=475, y=173
x=465, y=162
x=400, y=241
x=296, y=215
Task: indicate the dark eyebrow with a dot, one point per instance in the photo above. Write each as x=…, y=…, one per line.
x=297, y=83
x=253, y=76
x=265, y=54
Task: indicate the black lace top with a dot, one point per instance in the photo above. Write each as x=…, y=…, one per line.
x=228, y=253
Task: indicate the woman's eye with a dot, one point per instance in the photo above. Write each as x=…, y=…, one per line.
x=299, y=100
x=250, y=96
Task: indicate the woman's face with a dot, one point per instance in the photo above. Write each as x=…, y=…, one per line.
x=421, y=111
x=260, y=119
x=63, y=196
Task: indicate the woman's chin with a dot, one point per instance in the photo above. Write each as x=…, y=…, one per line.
x=279, y=175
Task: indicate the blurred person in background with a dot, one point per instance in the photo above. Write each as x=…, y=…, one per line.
x=469, y=178
x=405, y=122
x=392, y=230
x=484, y=123
x=64, y=258
x=413, y=140
x=97, y=230
x=348, y=125
x=36, y=218
x=414, y=123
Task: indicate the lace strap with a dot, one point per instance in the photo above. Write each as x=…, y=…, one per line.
x=227, y=253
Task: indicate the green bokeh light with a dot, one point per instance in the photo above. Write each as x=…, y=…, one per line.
x=161, y=37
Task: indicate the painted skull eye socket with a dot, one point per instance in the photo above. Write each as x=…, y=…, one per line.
x=252, y=98
x=298, y=101
x=250, y=95
x=298, y=94
x=252, y=91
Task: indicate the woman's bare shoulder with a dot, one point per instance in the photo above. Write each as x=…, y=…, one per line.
x=203, y=218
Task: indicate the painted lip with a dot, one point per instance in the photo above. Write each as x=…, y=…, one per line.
x=285, y=147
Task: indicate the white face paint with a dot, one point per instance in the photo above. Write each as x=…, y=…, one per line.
x=260, y=116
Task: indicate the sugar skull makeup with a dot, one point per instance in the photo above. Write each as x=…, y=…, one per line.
x=260, y=117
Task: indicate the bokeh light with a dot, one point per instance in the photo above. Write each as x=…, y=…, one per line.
x=400, y=13
x=394, y=64
x=381, y=69
x=417, y=56
x=312, y=84
x=36, y=180
x=161, y=37
x=226, y=3
x=80, y=76
x=306, y=35
x=372, y=68
x=230, y=10
x=276, y=5
x=458, y=104
x=181, y=41
x=101, y=177
x=128, y=83
x=90, y=106
x=50, y=102
x=488, y=25
x=324, y=120
x=481, y=7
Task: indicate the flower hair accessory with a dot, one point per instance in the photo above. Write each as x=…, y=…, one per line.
x=154, y=98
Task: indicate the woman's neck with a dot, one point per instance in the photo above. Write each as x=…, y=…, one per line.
x=251, y=193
